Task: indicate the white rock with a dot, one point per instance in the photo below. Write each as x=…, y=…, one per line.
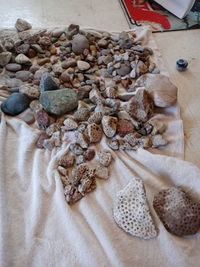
x=83, y=65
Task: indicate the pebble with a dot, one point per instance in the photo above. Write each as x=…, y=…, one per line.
x=101, y=172
x=109, y=125
x=76, y=149
x=15, y=104
x=5, y=57
x=70, y=124
x=80, y=160
x=124, y=127
x=123, y=70
x=158, y=140
x=82, y=114
x=105, y=158
x=89, y=154
x=22, y=49
x=79, y=44
x=83, y=65
x=35, y=105
x=66, y=77
x=102, y=43
x=42, y=119
x=59, y=102
x=113, y=144
x=40, y=141
x=30, y=91
x=47, y=83
x=69, y=63
x=24, y=75
x=104, y=73
x=81, y=139
x=13, y=67
x=27, y=116
x=96, y=117
x=14, y=83
x=43, y=61
x=140, y=106
x=22, y=25
x=22, y=59
x=72, y=30
x=94, y=132
x=67, y=161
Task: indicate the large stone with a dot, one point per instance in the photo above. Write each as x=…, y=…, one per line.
x=140, y=106
x=47, y=83
x=59, y=102
x=15, y=104
x=177, y=211
x=5, y=58
x=79, y=44
x=22, y=25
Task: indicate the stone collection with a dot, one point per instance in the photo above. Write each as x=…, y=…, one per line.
x=87, y=84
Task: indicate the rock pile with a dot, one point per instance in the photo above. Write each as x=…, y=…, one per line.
x=72, y=80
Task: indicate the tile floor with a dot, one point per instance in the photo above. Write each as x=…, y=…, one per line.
x=108, y=15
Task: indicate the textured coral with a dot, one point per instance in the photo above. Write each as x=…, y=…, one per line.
x=131, y=211
x=177, y=211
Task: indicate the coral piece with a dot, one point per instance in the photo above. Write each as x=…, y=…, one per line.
x=105, y=158
x=94, y=132
x=101, y=172
x=70, y=124
x=109, y=125
x=177, y=211
x=140, y=106
x=124, y=127
x=95, y=118
x=67, y=161
x=82, y=114
x=131, y=211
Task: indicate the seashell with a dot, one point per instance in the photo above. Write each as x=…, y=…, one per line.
x=109, y=125
x=131, y=211
x=22, y=59
x=161, y=89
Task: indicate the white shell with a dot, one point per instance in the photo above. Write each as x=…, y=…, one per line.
x=162, y=90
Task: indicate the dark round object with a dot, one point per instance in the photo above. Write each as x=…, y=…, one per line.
x=181, y=64
x=15, y=104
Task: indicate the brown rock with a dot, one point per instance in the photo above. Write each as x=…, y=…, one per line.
x=42, y=119
x=67, y=161
x=140, y=106
x=177, y=211
x=89, y=154
x=40, y=141
x=124, y=127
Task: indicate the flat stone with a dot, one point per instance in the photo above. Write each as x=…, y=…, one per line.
x=47, y=83
x=13, y=67
x=69, y=63
x=15, y=104
x=83, y=65
x=59, y=102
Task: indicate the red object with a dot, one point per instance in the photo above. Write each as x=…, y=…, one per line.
x=139, y=11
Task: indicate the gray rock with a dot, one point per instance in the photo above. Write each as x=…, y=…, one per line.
x=47, y=83
x=104, y=73
x=22, y=25
x=24, y=75
x=59, y=102
x=13, y=67
x=5, y=58
x=22, y=49
x=123, y=70
x=15, y=104
x=14, y=83
x=79, y=44
x=38, y=74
